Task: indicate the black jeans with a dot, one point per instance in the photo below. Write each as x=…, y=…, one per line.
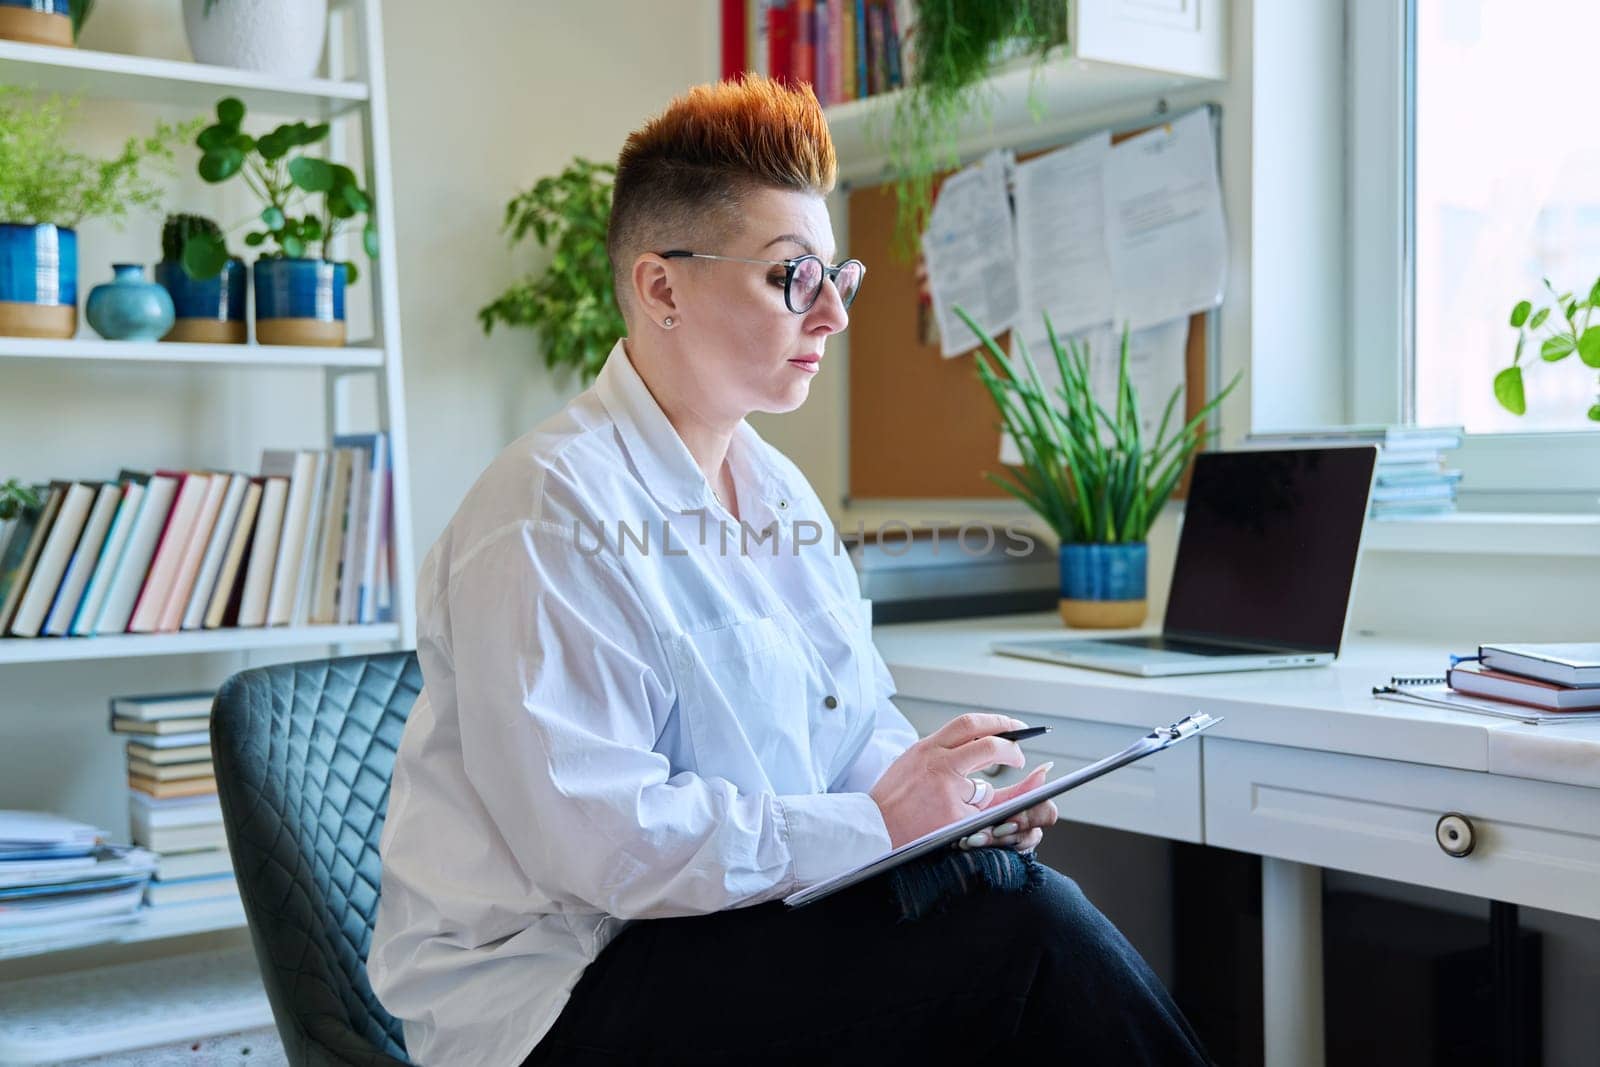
x=1034, y=971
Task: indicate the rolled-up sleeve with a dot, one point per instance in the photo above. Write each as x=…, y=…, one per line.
x=563, y=688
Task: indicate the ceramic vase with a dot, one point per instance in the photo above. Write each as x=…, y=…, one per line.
x=38, y=281
x=209, y=310
x=1103, y=585
x=299, y=302
x=281, y=37
x=129, y=307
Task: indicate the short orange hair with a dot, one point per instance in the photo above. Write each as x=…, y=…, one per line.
x=682, y=176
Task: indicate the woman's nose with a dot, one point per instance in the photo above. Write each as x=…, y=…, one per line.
x=829, y=309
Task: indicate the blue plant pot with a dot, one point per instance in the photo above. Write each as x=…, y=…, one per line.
x=129, y=307
x=299, y=302
x=1103, y=586
x=38, y=280
x=210, y=310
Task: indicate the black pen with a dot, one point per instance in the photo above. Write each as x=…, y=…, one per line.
x=1024, y=733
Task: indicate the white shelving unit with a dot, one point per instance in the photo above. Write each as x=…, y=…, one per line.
x=190, y=996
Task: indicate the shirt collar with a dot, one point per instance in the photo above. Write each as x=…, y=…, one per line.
x=664, y=462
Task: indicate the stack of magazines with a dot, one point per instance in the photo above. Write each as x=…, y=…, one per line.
x=58, y=879
x=1412, y=476
x=1530, y=683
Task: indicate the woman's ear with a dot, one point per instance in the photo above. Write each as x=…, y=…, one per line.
x=652, y=289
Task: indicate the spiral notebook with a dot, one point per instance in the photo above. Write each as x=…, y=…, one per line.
x=1436, y=693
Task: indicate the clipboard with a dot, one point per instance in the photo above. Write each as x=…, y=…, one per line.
x=1151, y=743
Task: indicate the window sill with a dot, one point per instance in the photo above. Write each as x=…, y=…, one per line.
x=1488, y=533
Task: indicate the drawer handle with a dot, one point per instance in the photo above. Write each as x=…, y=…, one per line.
x=1455, y=835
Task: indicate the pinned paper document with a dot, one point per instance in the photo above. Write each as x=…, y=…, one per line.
x=970, y=252
x=1062, y=263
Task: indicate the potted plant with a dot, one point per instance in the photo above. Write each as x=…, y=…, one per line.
x=1089, y=472
x=14, y=496
x=956, y=44
x=1564, y=336
x=210, y=310
x=571, y=304
x=299, y=298
x=52, y=22
x=281, y=37
x=46, y=190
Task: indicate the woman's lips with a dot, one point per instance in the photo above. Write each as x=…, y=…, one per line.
x=809, y=364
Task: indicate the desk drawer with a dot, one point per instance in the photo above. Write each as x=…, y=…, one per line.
x=1534, y=843
x=1159, y=795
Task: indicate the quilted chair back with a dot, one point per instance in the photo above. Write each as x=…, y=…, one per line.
x=303, y=755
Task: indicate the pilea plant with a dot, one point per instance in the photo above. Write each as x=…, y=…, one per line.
x=1564, y=335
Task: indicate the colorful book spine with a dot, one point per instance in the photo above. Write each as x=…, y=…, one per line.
x=863, y=66
x=734, y=37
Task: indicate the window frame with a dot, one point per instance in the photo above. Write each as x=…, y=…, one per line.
x=1535, y=471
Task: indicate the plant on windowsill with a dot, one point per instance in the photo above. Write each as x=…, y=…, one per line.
x=299, y=297
x=1089, y=472
x=956, y=45
x=1563, y=336
x=14, y=496
x=46, y=190
x=570, y=305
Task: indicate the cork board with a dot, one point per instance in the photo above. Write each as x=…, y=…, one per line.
x=922, y=426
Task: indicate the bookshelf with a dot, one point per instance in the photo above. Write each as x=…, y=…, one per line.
x=161, y=995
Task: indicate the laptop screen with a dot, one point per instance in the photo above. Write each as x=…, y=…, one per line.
x=1269, y=544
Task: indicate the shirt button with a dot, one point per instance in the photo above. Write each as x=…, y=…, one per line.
x=830, y=701
x=783, y=505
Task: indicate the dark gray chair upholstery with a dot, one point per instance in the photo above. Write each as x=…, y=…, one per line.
x=303, y=754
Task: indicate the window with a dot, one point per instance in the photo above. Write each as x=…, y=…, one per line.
x=1506, y=191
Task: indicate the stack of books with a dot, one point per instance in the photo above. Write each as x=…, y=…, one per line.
x=845, y=49
x=58, y=878
x=1412, y=476
x=306, y=541
x=1531, y=683
x=954, y=572
x=173, y=806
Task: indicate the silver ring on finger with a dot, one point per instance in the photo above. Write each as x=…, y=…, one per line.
x=981, y=792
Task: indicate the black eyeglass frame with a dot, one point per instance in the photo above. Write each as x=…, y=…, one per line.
x=829, y=274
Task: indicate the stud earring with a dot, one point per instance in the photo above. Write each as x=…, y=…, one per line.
x=667, y=322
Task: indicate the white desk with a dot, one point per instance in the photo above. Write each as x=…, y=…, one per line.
x=1308, y=770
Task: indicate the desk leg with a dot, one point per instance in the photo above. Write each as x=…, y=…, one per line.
x=1291, y=963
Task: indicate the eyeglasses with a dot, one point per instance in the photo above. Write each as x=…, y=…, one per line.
x=802, y=283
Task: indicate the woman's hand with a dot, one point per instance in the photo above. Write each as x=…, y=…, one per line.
x=1024, y=830
x=927, y=786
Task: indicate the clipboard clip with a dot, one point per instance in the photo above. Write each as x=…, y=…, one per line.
x=1187, y=726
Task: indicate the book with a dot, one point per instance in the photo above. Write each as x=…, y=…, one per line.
x=375, y=491
x=252, y=609
x=229, y=585
x=182, y=739
x=20, y=914
x=299, y=469
x=734, y=38
x=144, y=818
x=1471, y=678
x=176, y=754
x=133, y=566
x=51, y=565
x=171, y=772
x=216, y=551
x=89, y=607
x=325, y=586
x=170, y=618
x=780, y=39
x=186, y=787
x=163, y=706
x=84, y=558
x=191, y=890
x=311, y=547
x=861, y=51
x=201, y=864
x=1571, y=663
x=349, y=555
x=165, y=726
x=1436, y=693
x=22, y=571
x=1442, y=490
x=803, y=66
x=163, y=572
x=191, y=838
x=1411, y=438
x=22, y=530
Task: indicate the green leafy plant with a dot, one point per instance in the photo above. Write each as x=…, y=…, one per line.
x=571, y=304
x=290, y=185
x=80, y=14
x=956, y=42
x=42, y=180
x=1086, y=471
x=179, y=230
x=14, y=496
x=1563, y=336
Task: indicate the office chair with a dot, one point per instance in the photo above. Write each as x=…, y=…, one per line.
x=303, y=755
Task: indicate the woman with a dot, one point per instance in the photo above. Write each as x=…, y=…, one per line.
x=652, y=707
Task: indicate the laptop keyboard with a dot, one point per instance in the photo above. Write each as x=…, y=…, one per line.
x=1177, y=644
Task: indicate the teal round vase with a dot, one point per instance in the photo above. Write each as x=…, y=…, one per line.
x=1103, y=586
x=129, y=307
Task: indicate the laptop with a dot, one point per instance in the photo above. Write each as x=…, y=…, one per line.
x=1266, y=563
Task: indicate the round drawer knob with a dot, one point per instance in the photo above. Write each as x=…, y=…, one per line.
x=1455, y=835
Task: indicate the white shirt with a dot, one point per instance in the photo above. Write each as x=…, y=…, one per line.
x=606, y=734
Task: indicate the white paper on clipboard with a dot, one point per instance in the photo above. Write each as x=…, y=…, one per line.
x=1154, y=741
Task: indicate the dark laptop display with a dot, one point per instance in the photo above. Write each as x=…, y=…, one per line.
x=1268, y=551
